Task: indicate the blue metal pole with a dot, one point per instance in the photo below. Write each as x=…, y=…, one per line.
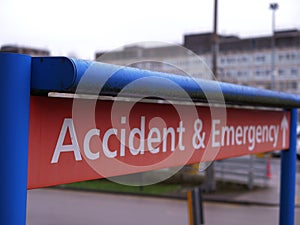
x=288, y=176
x=14, y=125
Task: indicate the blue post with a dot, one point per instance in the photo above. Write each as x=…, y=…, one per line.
x=14, y=125
x=288, y=176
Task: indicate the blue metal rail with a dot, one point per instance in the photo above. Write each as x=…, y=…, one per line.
x=63, y=74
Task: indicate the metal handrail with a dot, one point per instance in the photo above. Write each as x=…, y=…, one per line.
x=63, y=74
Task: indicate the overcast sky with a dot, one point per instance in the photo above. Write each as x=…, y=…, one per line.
x=83, y=27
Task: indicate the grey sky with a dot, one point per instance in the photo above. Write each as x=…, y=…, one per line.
x=83, y=27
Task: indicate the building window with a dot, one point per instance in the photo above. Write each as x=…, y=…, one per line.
x=294, y=85
x=281, y=86
x=260, y=58
x=228, y=74
x=281, y=57
x=242, y=73
x=230, y=60
x=293, y=56
x=294, y=71
x=288, y=56
x=242, y=59
x=281, y=72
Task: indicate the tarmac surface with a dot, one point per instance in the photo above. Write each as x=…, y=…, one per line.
x=67, y=207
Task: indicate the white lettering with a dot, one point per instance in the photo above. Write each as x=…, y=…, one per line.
x=238, y=135
x=180, y=131
x=123, y=133
x=276, y=134
x=132, y=138
x=258, y=134
x=60, y=147
x=251, y=138
x=215, y=133
x=153, y=132
x=86, y=144
x=242, y=135
x=229, y=132
x=170, y=131
x=108, y=153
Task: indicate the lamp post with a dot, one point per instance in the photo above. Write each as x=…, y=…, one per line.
x=210, y=172
x=215, y=41
x=273, y=7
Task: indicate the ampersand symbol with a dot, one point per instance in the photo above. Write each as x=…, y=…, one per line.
x=198, y=139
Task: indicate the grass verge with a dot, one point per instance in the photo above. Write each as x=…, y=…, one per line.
x=109, y=186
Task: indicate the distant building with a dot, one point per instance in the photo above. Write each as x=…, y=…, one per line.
x=169, y=59
x=248, y=61
x=244, y=61
x=24, y=50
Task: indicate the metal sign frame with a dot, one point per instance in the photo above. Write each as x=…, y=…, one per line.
x=22, y=75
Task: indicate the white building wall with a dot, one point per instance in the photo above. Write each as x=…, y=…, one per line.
x=245, y=67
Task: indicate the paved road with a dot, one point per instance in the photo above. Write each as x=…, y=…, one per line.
x=60, y=207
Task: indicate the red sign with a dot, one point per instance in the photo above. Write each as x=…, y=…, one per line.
x=75, y=140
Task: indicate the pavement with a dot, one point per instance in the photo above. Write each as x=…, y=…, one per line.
x=69, y=207
x=53, y=207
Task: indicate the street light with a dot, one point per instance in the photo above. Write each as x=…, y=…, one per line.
x=215, y=41
x=209, y=172
x=273, y=7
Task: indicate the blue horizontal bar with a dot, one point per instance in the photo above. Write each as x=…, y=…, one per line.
x=64, y=74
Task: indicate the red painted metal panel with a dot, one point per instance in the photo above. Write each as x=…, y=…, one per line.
x=159, y=136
